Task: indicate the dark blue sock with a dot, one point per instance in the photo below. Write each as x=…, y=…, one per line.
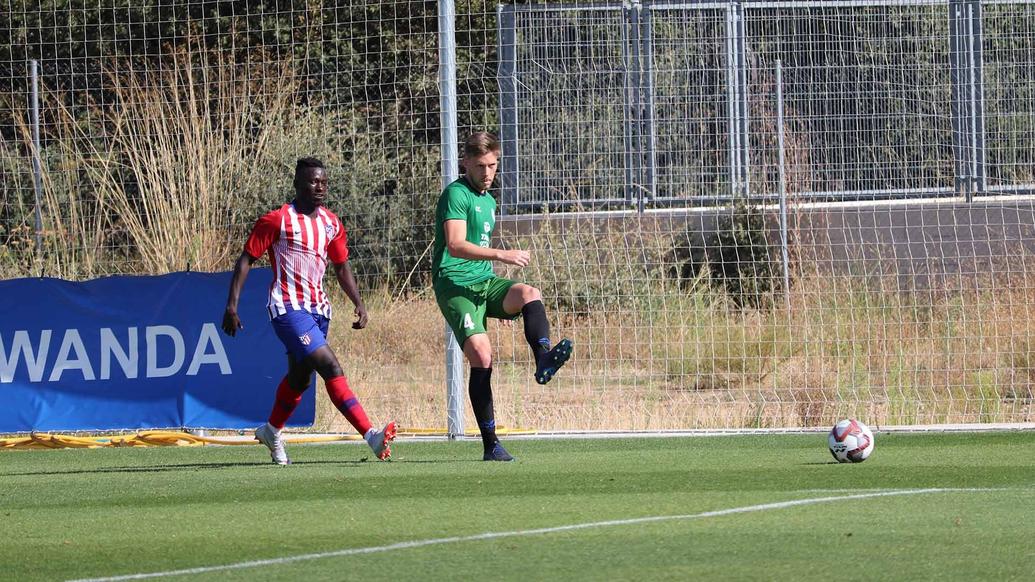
x=480, y=389
x=537, y=327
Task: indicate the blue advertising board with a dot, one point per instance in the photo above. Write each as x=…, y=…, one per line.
x=138, y=352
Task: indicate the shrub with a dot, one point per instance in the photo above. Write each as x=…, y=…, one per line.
x=585, y=265
x=738, y=255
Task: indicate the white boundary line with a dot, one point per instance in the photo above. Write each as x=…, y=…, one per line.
x=527, y=532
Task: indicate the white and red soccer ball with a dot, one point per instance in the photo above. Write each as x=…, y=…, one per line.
x=850, y=441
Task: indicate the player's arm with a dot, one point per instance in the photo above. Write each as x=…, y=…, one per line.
x=265, y=231
x=343, y=272
x=231, y=321
x=461, y=248
x=338, y=254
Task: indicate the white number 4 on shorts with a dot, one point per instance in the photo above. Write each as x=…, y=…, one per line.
x=468, y=324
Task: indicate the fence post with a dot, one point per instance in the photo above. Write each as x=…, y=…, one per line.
x=37, y=165
x=650, y=186
x=968, y=100
x=783, y=186
x=450, y=172
x=742, y=103
x=510, y=186
x=737, y=96
x=630, y=32
x=977, y=93
x=637, y=105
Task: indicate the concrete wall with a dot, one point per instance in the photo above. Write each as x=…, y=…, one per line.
x=943, y=244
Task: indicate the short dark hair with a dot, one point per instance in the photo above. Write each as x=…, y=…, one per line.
x=481, y=143
x=304, y=163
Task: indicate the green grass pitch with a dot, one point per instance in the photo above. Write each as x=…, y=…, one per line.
x=951, y=506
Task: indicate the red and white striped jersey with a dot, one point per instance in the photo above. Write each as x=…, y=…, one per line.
x=299, y=248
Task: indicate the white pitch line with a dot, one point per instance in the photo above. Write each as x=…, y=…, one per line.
x=524, y=532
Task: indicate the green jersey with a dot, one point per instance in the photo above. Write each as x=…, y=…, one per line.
x=478, y=210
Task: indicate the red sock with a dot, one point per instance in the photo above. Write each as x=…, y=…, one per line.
x=284, y=404
x=348, y=404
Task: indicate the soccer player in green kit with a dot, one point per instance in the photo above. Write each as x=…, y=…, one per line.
x=468, y=291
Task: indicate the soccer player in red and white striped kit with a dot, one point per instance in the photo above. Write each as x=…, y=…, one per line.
x=300, y=238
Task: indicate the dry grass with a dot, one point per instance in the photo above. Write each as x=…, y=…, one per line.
x=395, y=365
x=840, y=351
x=74, y=226
x=187, y=136
x=158, y=178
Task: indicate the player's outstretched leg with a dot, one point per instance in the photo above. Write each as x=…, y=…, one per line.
x=549, y=362
x=270, y=436
x=347, y=403
x=379, y=440
x=537, y=334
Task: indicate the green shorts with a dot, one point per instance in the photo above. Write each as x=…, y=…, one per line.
x=466, y=308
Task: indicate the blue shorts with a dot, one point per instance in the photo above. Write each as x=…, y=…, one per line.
x=301, y=332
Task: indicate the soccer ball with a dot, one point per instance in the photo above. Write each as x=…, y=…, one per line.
x=850, y=441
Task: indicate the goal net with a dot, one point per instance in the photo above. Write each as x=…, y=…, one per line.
x=745, y=214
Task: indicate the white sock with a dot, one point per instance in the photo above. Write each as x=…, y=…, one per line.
x=273, y=428
x=370, y=434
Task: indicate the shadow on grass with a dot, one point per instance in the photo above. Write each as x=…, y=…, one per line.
x=437, y=461
x=176, y=467
x=165, y=468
